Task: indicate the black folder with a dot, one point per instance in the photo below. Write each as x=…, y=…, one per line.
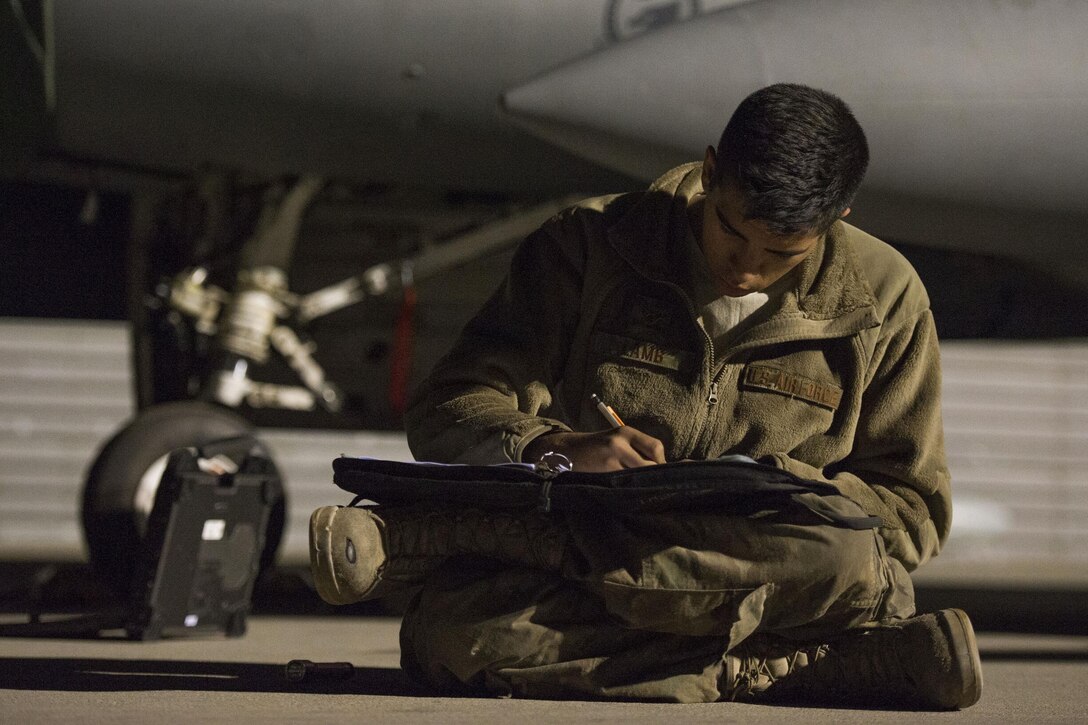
x=731, y=486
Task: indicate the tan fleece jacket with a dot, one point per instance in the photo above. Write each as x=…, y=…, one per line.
x=841, y=383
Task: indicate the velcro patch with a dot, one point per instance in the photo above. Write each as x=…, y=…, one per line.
x=779, y=381
x=650, y=312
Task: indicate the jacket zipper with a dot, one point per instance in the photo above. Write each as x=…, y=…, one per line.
x=712, y=396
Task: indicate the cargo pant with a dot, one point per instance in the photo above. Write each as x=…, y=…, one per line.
x=646, y=606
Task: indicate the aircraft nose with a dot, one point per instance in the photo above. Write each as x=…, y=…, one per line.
x=951, y=93
x=606, y=105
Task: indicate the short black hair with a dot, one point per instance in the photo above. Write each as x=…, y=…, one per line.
x=797, y=154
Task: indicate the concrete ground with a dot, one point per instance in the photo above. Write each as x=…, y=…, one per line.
x=1038, y=678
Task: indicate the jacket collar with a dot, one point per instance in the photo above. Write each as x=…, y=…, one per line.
x=650, y=237
x=651, y=234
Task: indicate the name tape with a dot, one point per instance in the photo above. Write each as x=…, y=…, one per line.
x=651, y=354
x=795, y=386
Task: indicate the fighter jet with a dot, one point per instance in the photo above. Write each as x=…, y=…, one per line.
x=260, y=110
x=975, y=109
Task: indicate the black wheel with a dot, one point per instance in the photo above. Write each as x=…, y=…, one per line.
x=122, y=482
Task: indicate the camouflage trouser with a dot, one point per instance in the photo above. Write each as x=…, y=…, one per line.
x=646, y=606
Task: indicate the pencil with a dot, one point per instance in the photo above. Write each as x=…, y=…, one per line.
x=607, y=411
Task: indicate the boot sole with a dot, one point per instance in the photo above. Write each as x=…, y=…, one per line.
x=964, y=647
x=321, y=563
x=341, y=577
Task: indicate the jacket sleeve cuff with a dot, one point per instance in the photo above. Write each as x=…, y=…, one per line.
x=516, y=445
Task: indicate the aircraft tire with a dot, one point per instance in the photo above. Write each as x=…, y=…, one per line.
x=121, y=483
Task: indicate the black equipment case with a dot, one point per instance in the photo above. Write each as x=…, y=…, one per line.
x=199, y=560
x=206, y=532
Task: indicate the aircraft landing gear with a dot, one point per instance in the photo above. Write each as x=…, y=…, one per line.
x=216, y=342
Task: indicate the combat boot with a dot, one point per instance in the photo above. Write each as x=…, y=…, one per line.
x=929, y=662
x=358, y=554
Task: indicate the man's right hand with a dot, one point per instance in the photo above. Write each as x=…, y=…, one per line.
x=606, y=450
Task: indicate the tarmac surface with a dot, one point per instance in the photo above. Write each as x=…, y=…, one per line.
x=1028, y=678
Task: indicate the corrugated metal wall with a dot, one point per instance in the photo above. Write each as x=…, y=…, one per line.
x=1016, y=431
x=64, y=388
x=1016, y=420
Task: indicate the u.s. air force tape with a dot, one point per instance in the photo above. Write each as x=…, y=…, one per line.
x=765, y=377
